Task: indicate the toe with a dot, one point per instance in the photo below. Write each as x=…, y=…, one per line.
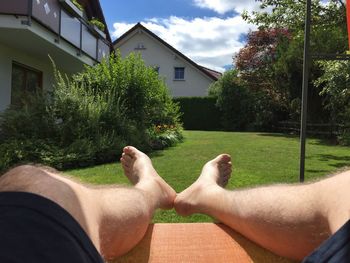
x=129, y=150
x=127, y=157
x=222, y=158
x=132, y=151
x=125, y=163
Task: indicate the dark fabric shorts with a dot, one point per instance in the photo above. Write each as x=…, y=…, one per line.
x=35, y=229
x=335, y=249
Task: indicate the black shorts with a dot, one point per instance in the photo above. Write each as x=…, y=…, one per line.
x=335, y=249
x=35, y=229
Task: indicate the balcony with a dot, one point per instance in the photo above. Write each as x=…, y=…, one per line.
x=65, y=26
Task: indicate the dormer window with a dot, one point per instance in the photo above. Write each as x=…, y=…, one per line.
x=140, y=46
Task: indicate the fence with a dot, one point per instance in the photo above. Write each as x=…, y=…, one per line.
x=324, y=129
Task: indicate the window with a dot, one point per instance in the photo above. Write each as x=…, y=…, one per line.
x=25, y=81
x=179, y=73
x=140, y=46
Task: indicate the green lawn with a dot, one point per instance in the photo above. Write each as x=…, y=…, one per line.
x=258, y=158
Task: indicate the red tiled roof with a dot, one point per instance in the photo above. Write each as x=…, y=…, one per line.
x=214, y=73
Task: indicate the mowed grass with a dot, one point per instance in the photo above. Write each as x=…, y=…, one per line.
x=258, y=159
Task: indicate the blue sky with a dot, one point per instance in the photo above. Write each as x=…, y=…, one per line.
x=134, y=11
x=210, y=32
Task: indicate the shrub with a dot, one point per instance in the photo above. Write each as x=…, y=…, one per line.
x=164, y=136
x=242, y=108
x=89, y=118
x=134, y=90
x=94, y=21
x=267, y=113
x=199, y=113
x=79, y=6
x=234, y=101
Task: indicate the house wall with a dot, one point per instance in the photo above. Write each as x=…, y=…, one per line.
x=7, y=56
x=30, y=46
x=196, y=83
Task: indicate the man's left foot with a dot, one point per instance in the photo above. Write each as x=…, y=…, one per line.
x=141, y=173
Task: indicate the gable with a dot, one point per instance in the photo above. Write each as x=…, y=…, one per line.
x=139, y=29
x=155, y=54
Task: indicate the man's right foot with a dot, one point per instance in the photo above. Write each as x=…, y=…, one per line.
x=214, y=177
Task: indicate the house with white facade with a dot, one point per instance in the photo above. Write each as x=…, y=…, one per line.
x=33, y=30
x=183, y=76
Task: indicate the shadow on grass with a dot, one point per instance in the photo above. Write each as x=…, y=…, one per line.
x=154, y=154
x=342, y=161
x=278, y=135
x=316, y=140
x=316, y=171
x=324, y=141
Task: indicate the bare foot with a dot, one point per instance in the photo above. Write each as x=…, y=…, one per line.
x=214, y=177
x=139, y=169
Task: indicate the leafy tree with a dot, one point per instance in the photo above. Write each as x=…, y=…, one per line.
x=256, y=60
x=291, y=14
x=335, y=88
x=328, y=35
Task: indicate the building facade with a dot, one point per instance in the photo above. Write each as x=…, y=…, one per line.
x=32, y=31
x=183, y=76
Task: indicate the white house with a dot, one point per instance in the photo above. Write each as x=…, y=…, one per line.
x=33, y=30
x=183, y=76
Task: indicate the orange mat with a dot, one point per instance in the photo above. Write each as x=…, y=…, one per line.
x=196, y=242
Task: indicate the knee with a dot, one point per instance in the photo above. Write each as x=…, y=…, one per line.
x=22, y=170
x=23, y=178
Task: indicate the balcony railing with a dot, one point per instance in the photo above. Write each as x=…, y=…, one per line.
x=72, y=28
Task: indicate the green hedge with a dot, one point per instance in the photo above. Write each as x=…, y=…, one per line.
x=199, y=113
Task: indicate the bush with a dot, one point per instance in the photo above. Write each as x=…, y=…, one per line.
x=164, y=136
x=199, y=113
x=89, y=118
x=267, y=113
x=234, y=101
x=242, y=108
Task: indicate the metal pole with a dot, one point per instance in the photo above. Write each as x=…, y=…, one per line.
x=305, y=88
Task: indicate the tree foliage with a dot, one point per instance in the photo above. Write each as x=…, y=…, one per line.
x=234, y=101
x=242, y=108
x=256, y=60
x=329, y=32
x=281, y=73
x=335, y=88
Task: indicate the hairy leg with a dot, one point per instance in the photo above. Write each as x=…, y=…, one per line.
x=115, y=218
x=290, y=220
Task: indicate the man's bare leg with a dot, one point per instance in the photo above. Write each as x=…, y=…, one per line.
x=290, y=220
x=115, y=218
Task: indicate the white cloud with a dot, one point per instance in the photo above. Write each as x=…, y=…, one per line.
x=210, y=42
x=119, y=29
x=224, y=6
